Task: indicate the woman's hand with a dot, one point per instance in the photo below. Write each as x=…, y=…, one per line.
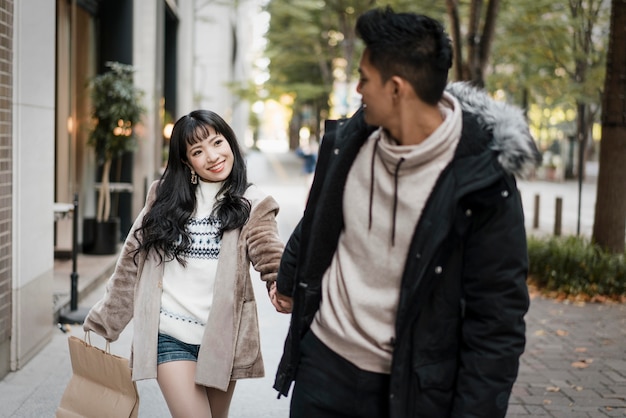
x=282, y=303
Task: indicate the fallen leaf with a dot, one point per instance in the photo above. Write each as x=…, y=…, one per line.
x=580, y=364
x=561, y=333
x=540, y=332
x=577, y=388
x=547, y=401
x=599, y=299
x=553, y=389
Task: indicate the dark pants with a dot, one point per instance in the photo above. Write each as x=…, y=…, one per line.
x=329, y=386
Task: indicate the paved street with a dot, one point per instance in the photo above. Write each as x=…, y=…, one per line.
x=575, y=361
x=574, y=364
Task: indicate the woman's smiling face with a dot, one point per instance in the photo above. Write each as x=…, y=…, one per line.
x=212, y=158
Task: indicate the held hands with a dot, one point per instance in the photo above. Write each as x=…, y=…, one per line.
x=282, y=303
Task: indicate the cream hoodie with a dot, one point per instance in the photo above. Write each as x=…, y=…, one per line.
x=385, y=193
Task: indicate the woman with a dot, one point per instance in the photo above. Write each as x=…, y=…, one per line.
x=183, y=273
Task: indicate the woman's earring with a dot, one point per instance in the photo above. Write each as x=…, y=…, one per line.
x=194, y=177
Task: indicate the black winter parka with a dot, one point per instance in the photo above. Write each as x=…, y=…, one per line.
x=460, y=322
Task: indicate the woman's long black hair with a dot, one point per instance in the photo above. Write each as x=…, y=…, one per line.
x=163, y=227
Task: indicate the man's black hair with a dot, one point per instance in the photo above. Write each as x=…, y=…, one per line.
x=412, y=46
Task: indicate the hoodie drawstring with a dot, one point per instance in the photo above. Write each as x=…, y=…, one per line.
x=395, y=201
x=372, y=181
x=395, y=192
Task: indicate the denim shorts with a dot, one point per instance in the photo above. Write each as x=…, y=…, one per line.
x=171, y=349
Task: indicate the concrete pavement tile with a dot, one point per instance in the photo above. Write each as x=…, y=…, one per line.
x=561, y=374
x=615, y=376
x=620, y=412
x=536, y=411
x=516, y=410
x=549, y=399
x=519, y=391
x=598, y=379
x=615, y=395
x=600, y=401
x=571, y=414
x=617, y=364
x=540, y=390
x=578, y=392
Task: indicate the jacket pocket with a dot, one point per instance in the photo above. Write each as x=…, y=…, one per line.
x=247, y=347
x=433, y=389
x=440, y=375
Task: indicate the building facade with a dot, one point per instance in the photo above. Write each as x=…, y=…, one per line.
x=186, y=54
x=6, y=182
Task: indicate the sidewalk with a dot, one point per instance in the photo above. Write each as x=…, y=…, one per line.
x=574, y=364
x=92, y=271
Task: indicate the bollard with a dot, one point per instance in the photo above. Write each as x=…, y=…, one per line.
x=536, y=214
x=74, y=315
x=74, y=274
x=558, y=216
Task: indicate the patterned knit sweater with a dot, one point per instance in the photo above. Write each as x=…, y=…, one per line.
x=188, y=291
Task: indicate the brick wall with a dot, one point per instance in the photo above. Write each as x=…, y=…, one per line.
x=6, y=165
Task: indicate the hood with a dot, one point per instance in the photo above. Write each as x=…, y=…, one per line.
x=512, y=141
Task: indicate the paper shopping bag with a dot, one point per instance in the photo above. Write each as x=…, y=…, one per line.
x=100, y=386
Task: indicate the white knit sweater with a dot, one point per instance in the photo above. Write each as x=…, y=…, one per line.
x=361, y=287
x=188, y=291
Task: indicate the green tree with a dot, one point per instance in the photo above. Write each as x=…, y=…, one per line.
x=553, y=53
x=610, y=216
x=309, y=43
x=588, y=55
x=523, y=65
x=116, y=109
x=312, y=44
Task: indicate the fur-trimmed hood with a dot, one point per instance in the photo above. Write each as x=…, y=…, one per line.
x=516, y=148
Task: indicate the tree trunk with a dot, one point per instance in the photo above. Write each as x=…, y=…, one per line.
x=478, y=41
x=609, y=228
x=474, y=41
x=457, y=49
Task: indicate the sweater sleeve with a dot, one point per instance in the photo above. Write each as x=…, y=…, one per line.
x=264, y=244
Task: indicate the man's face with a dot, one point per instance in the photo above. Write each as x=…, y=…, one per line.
x=376, y=96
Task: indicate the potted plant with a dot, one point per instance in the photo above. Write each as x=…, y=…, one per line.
x=116, y=109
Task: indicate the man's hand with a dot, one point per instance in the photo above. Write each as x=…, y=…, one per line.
x=282, y=303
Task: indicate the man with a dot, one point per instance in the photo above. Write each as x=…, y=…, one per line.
x=407, y=272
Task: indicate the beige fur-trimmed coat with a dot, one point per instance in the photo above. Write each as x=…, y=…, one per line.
x=230, y=346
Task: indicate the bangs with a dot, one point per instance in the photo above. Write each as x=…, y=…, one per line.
x=199, y=132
